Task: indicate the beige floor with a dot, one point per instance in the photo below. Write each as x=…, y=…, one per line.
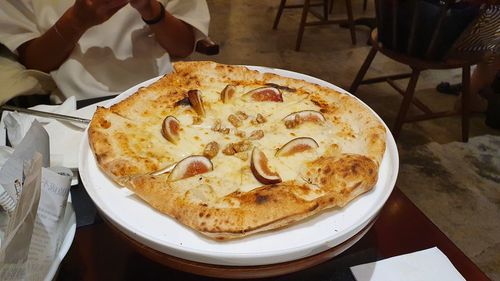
x=243, y=30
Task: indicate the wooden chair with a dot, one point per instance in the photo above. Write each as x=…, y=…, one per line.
x=417, y=66
x=323, y=19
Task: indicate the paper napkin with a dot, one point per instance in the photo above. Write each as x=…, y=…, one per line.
x=64, y=136
x=17, y=124
x=425, y=265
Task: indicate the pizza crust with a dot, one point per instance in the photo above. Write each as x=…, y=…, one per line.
x=334, y=181
x=236, y=215
x=129, y=148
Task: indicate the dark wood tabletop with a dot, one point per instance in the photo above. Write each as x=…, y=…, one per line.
x=100, y=253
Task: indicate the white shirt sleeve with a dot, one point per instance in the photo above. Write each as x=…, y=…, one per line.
x=192, y=12
x=17, y=23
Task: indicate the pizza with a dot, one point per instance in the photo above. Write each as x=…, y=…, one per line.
x=230, y=152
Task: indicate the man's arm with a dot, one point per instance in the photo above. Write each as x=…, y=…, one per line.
x=50, y=50
x=174, y=35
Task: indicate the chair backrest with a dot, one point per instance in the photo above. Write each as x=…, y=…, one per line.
x=424, y=29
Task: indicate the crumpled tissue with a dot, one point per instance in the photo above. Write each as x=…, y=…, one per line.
x=64, y=136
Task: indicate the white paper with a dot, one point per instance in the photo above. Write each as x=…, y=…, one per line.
x=17, y=125
x=3, y=131
x=11, y=173
x=7, y=203
x=425, y=265
x=34, y=231
x=5, y=153
x=66, y=108
x=64, y=135
x=64, y=143
x=46, y=236
x=15, y=247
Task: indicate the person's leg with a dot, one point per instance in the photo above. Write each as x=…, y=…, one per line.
x=484, y=74
x=482, y=77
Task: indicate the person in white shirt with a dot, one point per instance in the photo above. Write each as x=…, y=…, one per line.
x=95, y=48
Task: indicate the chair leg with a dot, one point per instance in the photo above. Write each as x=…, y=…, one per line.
x=350, y=21
x=302, y=25
x=362, y=71
x=278, y=15
x=465, y=102
x=405, y=104
x=325, y=9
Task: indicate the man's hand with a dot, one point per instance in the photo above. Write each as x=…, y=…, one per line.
x=88, y=13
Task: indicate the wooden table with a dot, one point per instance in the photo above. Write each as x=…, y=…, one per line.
x=98, y=253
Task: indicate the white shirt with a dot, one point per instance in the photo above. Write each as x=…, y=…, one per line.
x=109, y=58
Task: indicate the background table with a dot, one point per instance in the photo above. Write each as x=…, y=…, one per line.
x=98, y=253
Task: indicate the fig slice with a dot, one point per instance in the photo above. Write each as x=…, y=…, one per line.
x=190, y=166
x=296, y=118
x=297, y=145
x=170, y=129
x=264, y=94
x=260, y=168
x=227, y=93
x=196, y=102
x=306, y=116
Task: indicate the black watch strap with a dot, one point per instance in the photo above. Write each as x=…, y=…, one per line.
x=158, y=18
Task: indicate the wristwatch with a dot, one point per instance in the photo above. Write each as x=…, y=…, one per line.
x=158, y=18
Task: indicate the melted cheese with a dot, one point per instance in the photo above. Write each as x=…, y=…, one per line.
x=231, y=173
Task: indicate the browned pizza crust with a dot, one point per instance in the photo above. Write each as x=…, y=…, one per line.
x=238, y=214
x=339, y=180
x=128, y=145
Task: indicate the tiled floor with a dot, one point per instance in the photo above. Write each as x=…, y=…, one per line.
x=244, y=31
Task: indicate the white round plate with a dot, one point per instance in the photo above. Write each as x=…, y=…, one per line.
x=141, y=222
